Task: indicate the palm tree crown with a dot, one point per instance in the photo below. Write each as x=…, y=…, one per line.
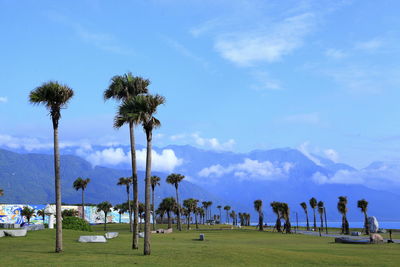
x=124, y=86
x=80, y=183
x=155, y=181
x=175, y=179
x=363, y=205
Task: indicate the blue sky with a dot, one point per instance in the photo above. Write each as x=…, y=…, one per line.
x=321, y=76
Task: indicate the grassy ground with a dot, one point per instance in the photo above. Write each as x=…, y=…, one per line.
x=221, y=248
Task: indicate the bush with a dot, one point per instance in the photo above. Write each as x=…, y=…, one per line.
x=75, y=223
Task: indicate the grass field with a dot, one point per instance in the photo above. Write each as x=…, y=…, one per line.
x=221, y=248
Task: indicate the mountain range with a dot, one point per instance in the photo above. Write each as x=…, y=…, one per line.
x=225, y=178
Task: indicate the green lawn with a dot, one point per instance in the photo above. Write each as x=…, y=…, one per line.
x=221, y=248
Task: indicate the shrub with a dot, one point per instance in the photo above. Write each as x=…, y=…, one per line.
x=75, y=223
x=69, y=213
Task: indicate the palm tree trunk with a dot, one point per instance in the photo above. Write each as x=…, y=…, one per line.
x=135, y=232
x=315, y=221
x=59, y=239
x=147, y=249
x=366, y=223
x=83, y=205
x=227, y=216
x=260, y=221
x=188, y=221
x=154, y=217
x=105, y=221
x=129, y=208
x=169, y=220
x=120, y=218
x=179, y=209
x=195, y=217
x=308, y=224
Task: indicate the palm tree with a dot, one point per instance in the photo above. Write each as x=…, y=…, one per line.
x=258, y=208
x=233, y=216
x=127, y=181
x=313, y=205
x=141, y=109
x=28, y=213
x=227, y=208
x=155, y=180
x=201, y=213
x=174, y=179
x=220, y=213
x=1, y=192
x=168, y=205
x=122, y=88
x=205, y=206
x=141, y=212
x=321, y=213
x=342, y=208
x=161, y=212
x=106, y=208
x=209, y=204
x=277, y=209
x=363, y=205
x=121, y=209
x=304, y=206
x=80, y=183
x=191, y=205
x=42, y=213
x=284, y=207
x=54, y=97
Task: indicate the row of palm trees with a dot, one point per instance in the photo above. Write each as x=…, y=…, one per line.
x=137, y=107
x=342, y=208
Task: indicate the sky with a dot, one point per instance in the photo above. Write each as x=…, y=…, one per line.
x=319, y=76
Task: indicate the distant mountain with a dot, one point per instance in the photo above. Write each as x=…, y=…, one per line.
x=236, y=179
x=29, y=178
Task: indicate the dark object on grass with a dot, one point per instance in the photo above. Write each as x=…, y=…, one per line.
x=202, y=237
x=347, y=240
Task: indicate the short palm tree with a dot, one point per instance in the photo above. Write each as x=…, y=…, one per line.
x=277, y=209
x=168, y=205
x=28, y=213
x=321, y=213
x=121, y=209
x=155, y=181
x=304, y=206
x=363, y=205
x=227, y=208
x=106, y=208
x=161, y=212
x=174, y=179
x=258, y=208
x=42, y=214
x=191, y=206
x=80, y=183
x=141, y=211
x=284, y=207
x=219, y=207
x=342, y=208
x=313, y=205
x=54, y=96
x=127, y=181
x=122, y=88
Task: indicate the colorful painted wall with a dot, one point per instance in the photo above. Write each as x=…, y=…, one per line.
x=11, y=213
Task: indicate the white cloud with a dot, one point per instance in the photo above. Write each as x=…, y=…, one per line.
x=331, y=154
x=3, y=99
x=266, y=45
x=335, y=53
x=370, y=45
x=249, y=170
x=305, y=118
x=213, y=143
x=304, y=148
x=166, y=161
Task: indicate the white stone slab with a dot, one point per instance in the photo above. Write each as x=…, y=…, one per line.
x=110, y=235
x=92, y=239
x=21, y=232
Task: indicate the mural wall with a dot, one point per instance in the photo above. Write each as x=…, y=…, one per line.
x=11, y=213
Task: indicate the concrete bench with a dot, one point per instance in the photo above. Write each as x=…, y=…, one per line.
x=92, y=239
x=15, y=233
x=110, y=235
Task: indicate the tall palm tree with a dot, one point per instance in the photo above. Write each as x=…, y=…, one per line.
x=258, y=208
x=304, y=206
x=127, y=181
x=220, y=213
x=80, y=183
x=209, y=204
x=227, y=208
x=122, y=88
x=321, y=213
x=284, y=207
x=342, y=208
x=313, y=205
x=155, y=180
x=191, y=205
x=201, y=213
x=363, y=205
x=142, y=109
x=54, y=97
x=174, y=179
x=205, y=206
x=106, y=208
x=277, y=209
